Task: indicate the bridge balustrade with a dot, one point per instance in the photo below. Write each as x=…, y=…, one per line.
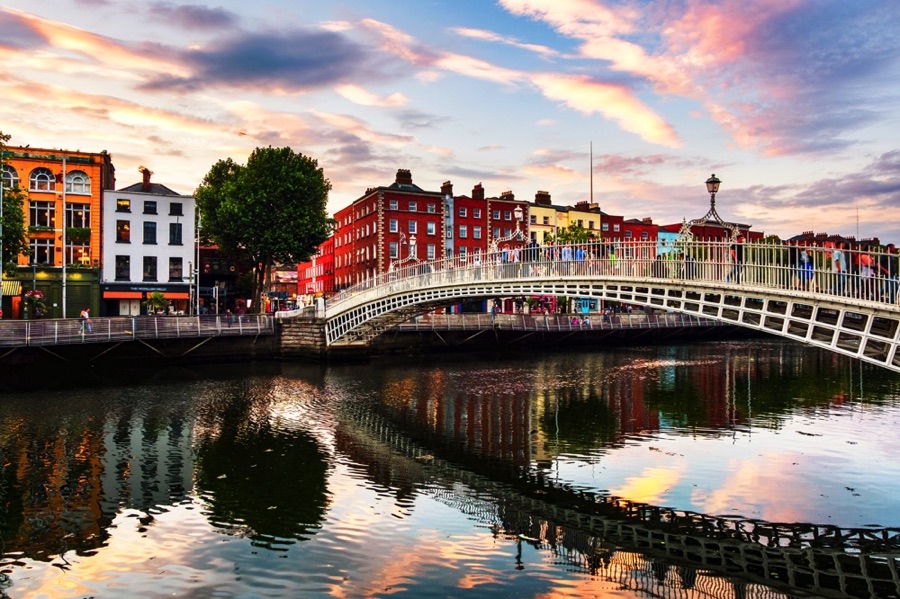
x=764, y=265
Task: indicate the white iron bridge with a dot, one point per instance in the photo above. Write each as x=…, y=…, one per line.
x=762, y=286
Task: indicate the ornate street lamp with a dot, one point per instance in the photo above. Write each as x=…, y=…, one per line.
x=712, y=186
x=412, y=256
x=518, y=213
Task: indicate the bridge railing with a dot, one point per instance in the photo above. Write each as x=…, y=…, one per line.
x=68, y=331
x=871, y=275
x=554, y=322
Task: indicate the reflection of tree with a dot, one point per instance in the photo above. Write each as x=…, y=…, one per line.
x=267, y=481
x=580, y=421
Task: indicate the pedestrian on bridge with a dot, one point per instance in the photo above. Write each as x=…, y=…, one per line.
x=86, y=321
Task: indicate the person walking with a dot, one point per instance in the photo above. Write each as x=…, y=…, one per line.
x=86, y=325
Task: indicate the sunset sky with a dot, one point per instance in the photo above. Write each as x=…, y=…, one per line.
x=794, y=104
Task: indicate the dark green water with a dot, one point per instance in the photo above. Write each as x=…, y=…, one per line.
x=751, y=469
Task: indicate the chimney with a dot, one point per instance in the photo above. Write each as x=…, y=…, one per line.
x=447, y=188
x=647, y=220
x=478, y=192
x=508, y=196
x=404, y=177
x=542, y=198
x=145, y=186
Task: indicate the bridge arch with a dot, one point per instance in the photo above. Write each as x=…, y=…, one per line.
x=867, y=329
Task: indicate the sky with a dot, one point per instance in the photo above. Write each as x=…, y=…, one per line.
x=793, y=104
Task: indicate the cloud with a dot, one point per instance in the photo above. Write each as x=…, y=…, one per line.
x=17, y=32
x=192, y=16
x=615, y=102
x=289, y=61
x=358, y=95
x=490, y=36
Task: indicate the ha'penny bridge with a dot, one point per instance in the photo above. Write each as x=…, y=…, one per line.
x=654, y=549
x=854, y=313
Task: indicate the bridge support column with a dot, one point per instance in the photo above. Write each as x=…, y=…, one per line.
x=301, y=337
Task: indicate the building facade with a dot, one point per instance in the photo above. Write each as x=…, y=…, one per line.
x=148, y=246
x=63, y=193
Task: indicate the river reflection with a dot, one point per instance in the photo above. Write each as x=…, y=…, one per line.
x=713, y=470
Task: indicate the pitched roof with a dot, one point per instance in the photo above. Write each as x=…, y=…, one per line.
x=155, y=189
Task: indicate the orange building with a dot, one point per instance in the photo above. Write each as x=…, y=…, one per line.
x=63, y=191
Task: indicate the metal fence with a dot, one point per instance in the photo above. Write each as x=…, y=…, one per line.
x=869, y=275
x=555, y=322
x=68, y=331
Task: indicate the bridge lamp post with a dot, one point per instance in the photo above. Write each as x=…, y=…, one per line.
x=516, y=234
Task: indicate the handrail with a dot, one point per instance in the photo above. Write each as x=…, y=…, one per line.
x=69, y=331
x=871, y=276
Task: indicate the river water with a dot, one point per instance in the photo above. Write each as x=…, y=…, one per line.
x=727, y=469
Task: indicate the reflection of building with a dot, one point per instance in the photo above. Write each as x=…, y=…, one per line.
x=148, y=247
x=62, y=215
x=316, y=276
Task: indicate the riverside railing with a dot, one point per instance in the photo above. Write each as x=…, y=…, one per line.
x=870, y=275
x=554, y=322
x=69, y=331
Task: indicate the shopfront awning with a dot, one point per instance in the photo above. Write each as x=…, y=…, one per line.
x=122, y=295
x=12, y=288
x=176, y=295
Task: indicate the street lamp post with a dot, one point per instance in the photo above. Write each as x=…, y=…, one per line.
x=712, y=186
x=516, y=234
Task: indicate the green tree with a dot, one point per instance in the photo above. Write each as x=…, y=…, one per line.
x=271, y=210
x=12, y=224
x=155, y=302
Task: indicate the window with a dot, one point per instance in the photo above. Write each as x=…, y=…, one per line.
x=123, y=268
x=78, y=182
x=41, y=179
x=10, y=177
x=431, y=228
x=123, y=231
x=175, y=234
x=449, y=232
x=462, y=252
x=616, y=227
x=392, y=225
x=412, y=227
x=604, y=226
x=78, y=215
x=42, y=214
x=644, y=235
x=430, y=249
x=507, y=232
x=175, y=209
x=393, y=205
x=496, y=232
x=149, y=268
x=149, y=206
x=463, y=232
x=496, y=215
x=463, y=213
x=580, y=224
x=546, y=220
x=628, y=234
x=591, y=224
x=413, y=206
x=123, y=205
x=476, y=212
x=532, y=218
x=78, y=254
x=476, y=232
x=176, y=269
x=430, y=208
x=42, y=251
x=393, y=250
x=150, y=233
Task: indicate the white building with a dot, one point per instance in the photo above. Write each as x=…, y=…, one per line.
x=148, y=245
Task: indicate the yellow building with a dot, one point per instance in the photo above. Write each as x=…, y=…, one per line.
x=63, y=191
x=546, y=219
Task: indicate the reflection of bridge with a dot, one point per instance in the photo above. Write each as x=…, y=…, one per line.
x=665, y=552
x=854, y=313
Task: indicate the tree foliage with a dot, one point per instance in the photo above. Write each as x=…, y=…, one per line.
x=14, y=241
x=271, y=210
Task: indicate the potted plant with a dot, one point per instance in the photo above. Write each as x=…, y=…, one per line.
x=34, y=304
x=156, y=302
